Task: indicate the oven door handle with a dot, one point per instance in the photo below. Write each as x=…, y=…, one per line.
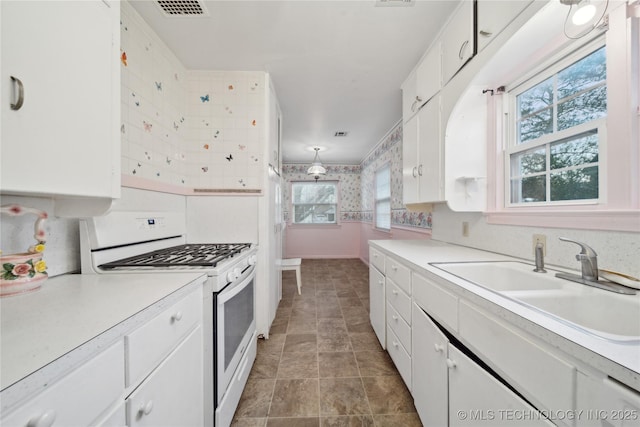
x=236, y=287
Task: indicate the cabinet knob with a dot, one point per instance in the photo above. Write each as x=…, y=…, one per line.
x=439, y=348
x=394, y=317
x=451, y=364
x=177, y=316
x=394, y=292
x=420, y=170
x=46, y=419
x=394, y=267
x=380, y=282
x=395, y=344
x=146, y=408
x=414, y=172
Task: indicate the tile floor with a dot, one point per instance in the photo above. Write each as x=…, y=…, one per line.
x=322, y=364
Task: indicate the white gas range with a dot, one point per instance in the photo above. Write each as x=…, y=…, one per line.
x=139, y=242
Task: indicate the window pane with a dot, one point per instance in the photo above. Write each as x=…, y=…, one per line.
x=576, y=151
x=530, y=189
x=324, y=214
x=528, y=162
x=314, y=192
x=536, y=98
x=383, y=214
x=383, y=183
x=581, y=75
x=535, y=126
x=576, y=184
x=588, y=106
x=302, y=214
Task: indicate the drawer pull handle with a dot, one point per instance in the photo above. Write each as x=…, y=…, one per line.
x=177, y=317
x=439, y=348
x=464, y=45
x=146, y=408
x=45, y=419
x=415, y=172
x=484, y=33
x=451, y=364
x=18, y=104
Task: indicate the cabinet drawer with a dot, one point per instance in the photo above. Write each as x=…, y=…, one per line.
x=401, y=328
x=528, y=367
x=80, y=397
x=149, y=344
x=436, y=301
x=400, y=274
x=400, y=301
x=376, y=258
x=400, y=357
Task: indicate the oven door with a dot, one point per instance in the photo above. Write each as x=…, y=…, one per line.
x=234, y=325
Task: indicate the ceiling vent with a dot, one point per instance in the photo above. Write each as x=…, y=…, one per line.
x=394, y=3
x=182, y=8
x=340, y=133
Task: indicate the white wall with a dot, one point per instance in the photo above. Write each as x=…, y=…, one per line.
x=617, y=251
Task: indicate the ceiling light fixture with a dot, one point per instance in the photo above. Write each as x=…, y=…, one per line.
x=583, y=16
x=316, y=168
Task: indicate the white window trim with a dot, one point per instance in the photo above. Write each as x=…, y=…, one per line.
x=560, y=62
x=621, y=211
x=294, y=224
x=376, y=200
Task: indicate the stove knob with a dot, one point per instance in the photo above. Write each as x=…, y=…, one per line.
x=231, y=276
x=251, y=260
x=237, y=272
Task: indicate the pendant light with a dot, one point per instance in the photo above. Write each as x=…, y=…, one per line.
x=316, y=168
x=583, y=16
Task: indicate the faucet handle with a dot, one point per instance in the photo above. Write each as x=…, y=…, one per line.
x=586, y=249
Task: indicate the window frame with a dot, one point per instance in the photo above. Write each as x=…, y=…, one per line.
x=376, y=200
x=557, y=63
x=336, y=184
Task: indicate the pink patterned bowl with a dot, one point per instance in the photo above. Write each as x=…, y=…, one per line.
x=21, y=273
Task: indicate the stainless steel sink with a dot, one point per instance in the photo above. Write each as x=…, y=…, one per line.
x=503, y=275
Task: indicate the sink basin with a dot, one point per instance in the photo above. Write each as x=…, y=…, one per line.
x=503, y=276
x=611, y=316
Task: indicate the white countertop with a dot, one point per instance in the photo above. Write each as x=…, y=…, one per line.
x=71, y=310
x=620, y=360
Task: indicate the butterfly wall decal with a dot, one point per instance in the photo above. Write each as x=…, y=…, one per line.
x=147, y=126
x=159, y=86
x=230, y=157
x=204, y=98
x=205, y=169
x=123, y=58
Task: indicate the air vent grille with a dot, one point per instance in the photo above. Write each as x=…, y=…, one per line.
x=182, y=7
x=340, y=133
x=394, y=3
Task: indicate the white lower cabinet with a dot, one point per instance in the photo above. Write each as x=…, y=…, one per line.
x=172, y=394
x=450, y=389
x=79, y=398
x=377, y=304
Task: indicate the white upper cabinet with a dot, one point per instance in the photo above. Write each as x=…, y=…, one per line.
x=494, y=16
x=458, y=40
x=60, y=61
x=422, y=160
x=423, y=83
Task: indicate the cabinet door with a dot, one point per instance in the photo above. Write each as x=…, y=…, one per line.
x=172, y=394
x=410, y=161
x=429, y=75
x=494, y=16
x=64, y=139
x=429, y=370
x=377, y=304
x=430, y=183
x=458, y=40
x=477, y=398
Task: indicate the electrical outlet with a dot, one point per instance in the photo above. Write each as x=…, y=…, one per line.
x=465, y=229
x=540, y=238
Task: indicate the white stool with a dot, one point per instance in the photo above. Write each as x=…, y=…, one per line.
x=293, y=264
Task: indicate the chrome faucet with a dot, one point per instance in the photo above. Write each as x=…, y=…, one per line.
x=588, y=259
x=589, y=262
x=539, y=258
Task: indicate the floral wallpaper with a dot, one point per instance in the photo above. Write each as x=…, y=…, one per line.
x=201, y=129
x=357, y=185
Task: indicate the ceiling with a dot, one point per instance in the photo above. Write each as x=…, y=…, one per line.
x=337, y=65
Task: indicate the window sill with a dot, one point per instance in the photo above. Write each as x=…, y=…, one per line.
x=307, y=226
x=608, y=220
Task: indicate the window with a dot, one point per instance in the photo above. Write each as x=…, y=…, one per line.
x=314, y=202
x=559, y=133
x=383, y=198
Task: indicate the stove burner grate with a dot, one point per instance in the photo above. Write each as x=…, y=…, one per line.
x=189, y=255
